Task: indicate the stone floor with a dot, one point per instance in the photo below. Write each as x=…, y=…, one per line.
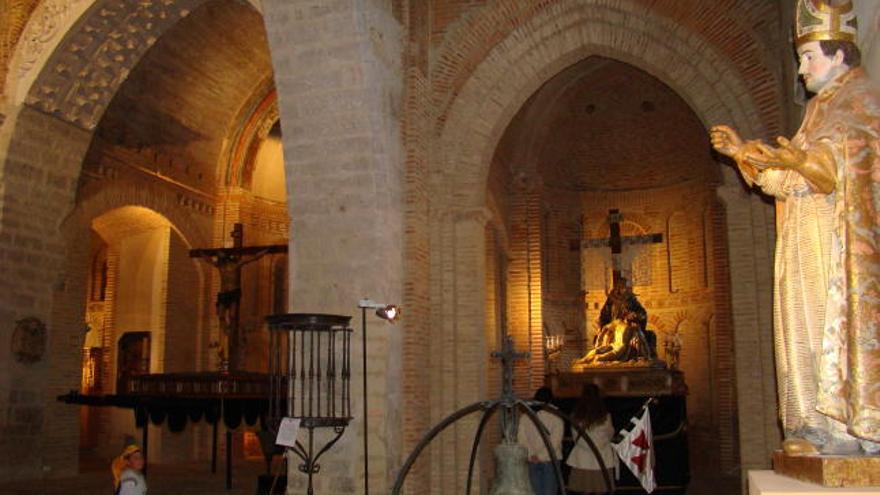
x=190, y=479
x=196, y=479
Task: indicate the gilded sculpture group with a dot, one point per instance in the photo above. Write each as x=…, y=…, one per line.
x=826, y=182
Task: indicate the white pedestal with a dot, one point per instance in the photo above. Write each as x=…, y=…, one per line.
x=770, y=483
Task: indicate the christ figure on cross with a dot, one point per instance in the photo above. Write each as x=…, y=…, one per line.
x=228, y=299
x=616, y=242
x=228, y=261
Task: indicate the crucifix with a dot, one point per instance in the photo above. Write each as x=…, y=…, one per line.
x=507, y=356
x=228, y=261
x=616, y=242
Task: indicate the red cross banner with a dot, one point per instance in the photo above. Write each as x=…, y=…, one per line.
x=636, y=450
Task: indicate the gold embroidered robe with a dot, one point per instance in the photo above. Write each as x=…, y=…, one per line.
x=827, y=268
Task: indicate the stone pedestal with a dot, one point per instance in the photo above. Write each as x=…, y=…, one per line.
x=770, y=483
x=830, y=470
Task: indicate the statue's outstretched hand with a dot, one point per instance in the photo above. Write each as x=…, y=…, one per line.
x=728, y=142
x=785, y=157
x=725, y=140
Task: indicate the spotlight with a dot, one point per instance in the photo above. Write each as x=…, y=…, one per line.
x=390, y=313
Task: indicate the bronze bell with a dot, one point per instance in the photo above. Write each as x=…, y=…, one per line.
x=512, y=470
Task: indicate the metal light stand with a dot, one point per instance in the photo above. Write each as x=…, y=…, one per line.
x=366, y=412
x=382, y=310
x=310, y=379
x=509, y=404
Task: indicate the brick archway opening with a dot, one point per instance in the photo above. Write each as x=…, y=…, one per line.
x=500, y=84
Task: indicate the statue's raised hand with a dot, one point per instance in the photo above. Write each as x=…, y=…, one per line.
x=728, y=142
x=725, y=140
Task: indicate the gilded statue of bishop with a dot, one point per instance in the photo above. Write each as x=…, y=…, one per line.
x=826, y=182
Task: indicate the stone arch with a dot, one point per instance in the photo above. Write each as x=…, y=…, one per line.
x=113, y=196
x=60, y=42
x=179, y=329
x=76, y=231
x=75, y=234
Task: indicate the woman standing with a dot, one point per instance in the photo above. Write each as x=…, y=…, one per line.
x=586, y=473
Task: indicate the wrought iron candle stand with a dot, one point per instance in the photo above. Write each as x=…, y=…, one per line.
x=310, y=379
x=509, y=404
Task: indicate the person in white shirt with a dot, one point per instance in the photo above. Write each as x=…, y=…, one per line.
x=586, y=473
x=128, y=478
x=542, y=472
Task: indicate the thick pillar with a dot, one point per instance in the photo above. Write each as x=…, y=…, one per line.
x=40, y=159
x=337, y=70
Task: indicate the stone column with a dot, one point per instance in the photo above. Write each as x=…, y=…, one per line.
x=459, y=352
x=338, y=74
x=40, y=159
x=750, y=234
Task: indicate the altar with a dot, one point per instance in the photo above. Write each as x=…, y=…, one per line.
x=622, y=362
x=620, y=381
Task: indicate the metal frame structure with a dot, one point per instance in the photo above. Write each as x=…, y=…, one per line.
x=509, y=404
x=311, y=381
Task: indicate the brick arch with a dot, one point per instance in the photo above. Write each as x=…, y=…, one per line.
x=729, y=30
x=556, y=39
x=471, y=124
x=75, y=227
x=238, y=170
x=75, y=236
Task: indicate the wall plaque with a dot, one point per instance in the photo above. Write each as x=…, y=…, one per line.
x=29, y=340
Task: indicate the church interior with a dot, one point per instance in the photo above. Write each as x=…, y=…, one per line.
x=458, y=158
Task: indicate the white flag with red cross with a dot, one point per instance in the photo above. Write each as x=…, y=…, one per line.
x=636, y=450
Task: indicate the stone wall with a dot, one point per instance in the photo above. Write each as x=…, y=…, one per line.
x=38, y=174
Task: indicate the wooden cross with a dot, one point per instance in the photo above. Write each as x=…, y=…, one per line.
x=228, y=261
x=616, y=241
